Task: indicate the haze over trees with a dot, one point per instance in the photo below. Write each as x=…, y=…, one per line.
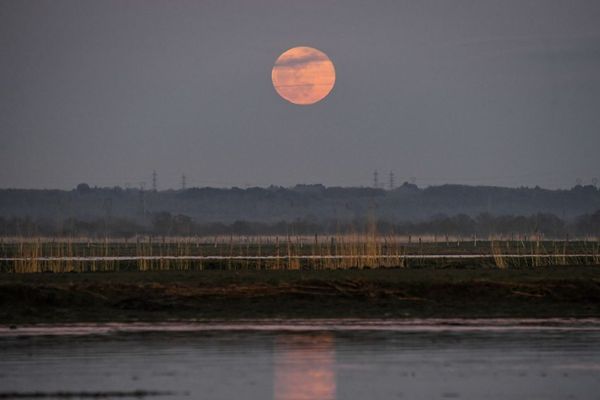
x=302, y=209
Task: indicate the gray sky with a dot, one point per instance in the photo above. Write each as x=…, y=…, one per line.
x=449, y=91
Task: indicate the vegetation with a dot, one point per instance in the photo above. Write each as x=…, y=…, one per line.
x=165, y=224
x=355, y=276
x=318, y=252
x=303, y=209
x=124, y=255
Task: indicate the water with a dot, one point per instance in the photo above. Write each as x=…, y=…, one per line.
x=421, y=359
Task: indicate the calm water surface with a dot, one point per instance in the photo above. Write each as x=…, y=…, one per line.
x=429, y=359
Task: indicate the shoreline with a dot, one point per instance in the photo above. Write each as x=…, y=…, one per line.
x=376, y=294
x=497, y=325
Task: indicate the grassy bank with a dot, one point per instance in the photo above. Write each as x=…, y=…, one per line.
x=32, y=255
x=379, y=293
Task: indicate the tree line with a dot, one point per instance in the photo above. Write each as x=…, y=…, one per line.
x=167, y=224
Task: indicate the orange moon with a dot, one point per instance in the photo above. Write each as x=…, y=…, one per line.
x=303, y=75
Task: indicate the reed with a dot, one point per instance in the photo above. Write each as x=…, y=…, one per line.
x=499, y=260
x=355, y=249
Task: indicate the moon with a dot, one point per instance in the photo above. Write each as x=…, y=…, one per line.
x=303, y=75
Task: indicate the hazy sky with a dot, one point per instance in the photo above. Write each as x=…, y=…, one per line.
x=479, y=92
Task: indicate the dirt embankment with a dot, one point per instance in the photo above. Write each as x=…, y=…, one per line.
x=398, y=293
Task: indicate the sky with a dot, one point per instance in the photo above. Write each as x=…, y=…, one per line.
x=486, y=92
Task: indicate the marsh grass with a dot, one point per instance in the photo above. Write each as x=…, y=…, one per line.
x=290, y=252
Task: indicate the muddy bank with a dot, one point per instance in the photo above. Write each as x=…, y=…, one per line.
x=394, y=293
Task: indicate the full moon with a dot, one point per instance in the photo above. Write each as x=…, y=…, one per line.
x=303, y=75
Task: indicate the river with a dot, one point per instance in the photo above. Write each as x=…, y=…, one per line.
x=297, y=360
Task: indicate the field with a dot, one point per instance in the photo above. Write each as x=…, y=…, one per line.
x=286, y=253
x=161, y=279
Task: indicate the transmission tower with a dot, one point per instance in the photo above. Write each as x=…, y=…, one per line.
x=391, y=180
x=376, y=179
x=142, y=200
x=183, y=182
x=154, y=176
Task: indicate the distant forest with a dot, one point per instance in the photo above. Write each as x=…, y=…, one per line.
x=303, y=209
